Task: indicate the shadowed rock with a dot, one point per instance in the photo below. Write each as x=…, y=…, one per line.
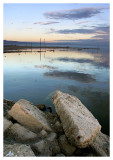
x=47, y=147
x=101, y=145
x=41, y=149
x=41, y=107
x=66, y=148
x=21, y=134
x=79, y=124
x=7, y=124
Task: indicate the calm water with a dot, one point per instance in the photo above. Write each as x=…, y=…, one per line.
x=35, y=76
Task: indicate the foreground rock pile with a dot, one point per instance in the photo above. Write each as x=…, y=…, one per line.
x=71, y=131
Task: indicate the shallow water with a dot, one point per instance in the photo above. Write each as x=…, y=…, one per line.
x=35, y=76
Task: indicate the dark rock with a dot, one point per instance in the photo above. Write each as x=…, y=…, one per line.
x=85, y=152
x=60, y=155
x=47, y=147
x=41, y=107
x=49, y=108
x=8, y=102
x=101, y=145
x=41, y=148
x=7, y=125
x=58, y=128
x=6, y=107
x=53, y=143
x=65, y=146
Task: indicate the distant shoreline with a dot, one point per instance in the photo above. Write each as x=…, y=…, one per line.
x=16, y=48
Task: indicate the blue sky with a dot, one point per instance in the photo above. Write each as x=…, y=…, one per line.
x=56, y=22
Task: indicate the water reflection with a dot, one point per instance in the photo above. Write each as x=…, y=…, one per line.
x=81, y=77
x=35, y=76
x=45, y=66
x=100, y=63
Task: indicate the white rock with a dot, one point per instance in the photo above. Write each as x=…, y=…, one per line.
x=17, y=150
x=29, y=116
x=79, y=124
x=10, y=154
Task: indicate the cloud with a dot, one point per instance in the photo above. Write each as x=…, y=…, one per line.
x=96, y=30
x=46, y=23
x=92, y=41
x=74, y=31
x=71, y=75
x=101, y=36
x=74, y=14
x=29, y=28
x=82, y=22
x=65, y=59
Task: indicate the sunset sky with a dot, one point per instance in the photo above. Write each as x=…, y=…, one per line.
x=57, y=22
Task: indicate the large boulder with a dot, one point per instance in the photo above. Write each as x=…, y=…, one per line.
x=18, y=150
x=101, y=145
x=79, y=125
x=7, y=125
x=21, y=134
x=29, y=116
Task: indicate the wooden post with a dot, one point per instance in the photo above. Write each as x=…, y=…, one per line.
x=40, y=44
x=40, y=56
x=26, y=46
x=44, y=45
x=31, y=46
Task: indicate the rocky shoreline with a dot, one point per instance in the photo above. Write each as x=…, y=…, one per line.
x=71, y=131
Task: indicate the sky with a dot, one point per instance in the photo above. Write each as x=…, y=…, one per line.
x=62, y=22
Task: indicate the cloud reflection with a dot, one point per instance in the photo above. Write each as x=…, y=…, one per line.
x=71, y=75
x=45, y=66
x=102, y=63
